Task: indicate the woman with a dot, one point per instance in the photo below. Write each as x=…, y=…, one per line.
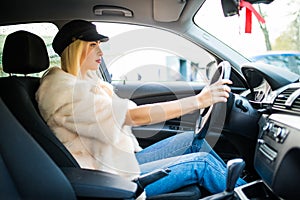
x=95, y=124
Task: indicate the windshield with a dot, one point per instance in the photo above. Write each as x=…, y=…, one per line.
x=280, y=32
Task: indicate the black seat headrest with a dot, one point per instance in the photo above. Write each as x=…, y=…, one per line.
x=24, y=53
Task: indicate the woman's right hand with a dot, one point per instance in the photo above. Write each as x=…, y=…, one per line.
x=214, y=93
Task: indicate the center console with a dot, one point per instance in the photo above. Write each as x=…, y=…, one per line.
x=276, y=159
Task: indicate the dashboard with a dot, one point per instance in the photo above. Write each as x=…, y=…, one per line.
x=277, y=153
x=277, y=158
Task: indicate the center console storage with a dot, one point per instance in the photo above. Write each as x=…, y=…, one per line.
x=254, y=190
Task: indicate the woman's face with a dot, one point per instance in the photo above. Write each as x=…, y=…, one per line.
x=92, y=57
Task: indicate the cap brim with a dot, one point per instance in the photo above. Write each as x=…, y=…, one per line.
x=104, y=38
x=92, y=35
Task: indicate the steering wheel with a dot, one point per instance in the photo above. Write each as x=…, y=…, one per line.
x=223, y=72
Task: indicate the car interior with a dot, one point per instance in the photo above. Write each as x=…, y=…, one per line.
x=22, y=89
x=256, y=137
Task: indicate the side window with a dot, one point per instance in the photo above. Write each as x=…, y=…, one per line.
x=45, y=30
x=137, y=53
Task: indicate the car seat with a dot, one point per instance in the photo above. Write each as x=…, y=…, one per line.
x=25, y=53
x=18, y=93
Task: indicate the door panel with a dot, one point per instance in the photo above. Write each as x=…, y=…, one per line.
x=146, y=93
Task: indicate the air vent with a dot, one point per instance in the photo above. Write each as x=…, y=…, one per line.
x=280, y=100
x=296, y=105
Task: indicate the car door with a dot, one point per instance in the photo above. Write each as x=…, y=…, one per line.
x=149, y=65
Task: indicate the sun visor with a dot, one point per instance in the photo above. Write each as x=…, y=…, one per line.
x=174, y=8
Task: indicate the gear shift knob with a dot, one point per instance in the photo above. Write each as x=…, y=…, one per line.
x=234, y=170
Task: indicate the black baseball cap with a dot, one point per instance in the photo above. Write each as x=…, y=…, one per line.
x=73, y=30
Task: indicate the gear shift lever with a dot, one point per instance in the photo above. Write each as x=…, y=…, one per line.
x=234, y=170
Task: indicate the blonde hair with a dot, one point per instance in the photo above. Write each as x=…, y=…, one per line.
x=72, y=56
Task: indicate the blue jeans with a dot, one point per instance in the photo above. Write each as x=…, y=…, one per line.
x=191, y=161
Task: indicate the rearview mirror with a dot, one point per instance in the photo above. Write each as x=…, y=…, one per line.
x=231, y=7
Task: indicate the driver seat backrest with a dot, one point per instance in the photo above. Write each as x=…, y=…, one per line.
x=26, y=53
